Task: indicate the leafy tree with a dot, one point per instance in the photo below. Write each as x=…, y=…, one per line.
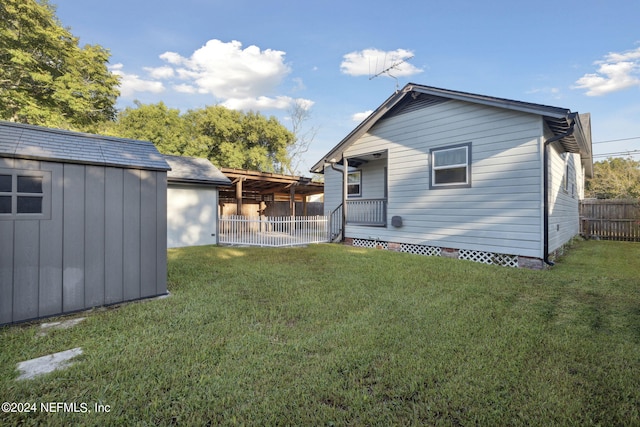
x=45, y=77
x=228, y=138
x=153, y=122
x=615, y=178
x=239, y=140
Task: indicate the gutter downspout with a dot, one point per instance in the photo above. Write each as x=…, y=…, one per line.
x=545, y=167
x=345, y=167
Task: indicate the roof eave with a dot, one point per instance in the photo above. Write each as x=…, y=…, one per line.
x=360, y=130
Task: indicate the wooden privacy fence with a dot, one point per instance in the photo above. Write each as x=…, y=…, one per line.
x=273, y=231
x=610, y=219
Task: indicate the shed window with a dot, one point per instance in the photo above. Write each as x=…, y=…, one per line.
x=451, y=166
x=23, y=194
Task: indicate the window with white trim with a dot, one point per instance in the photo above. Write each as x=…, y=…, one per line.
x=24, y=194
x=451, y=166
x=354, y=183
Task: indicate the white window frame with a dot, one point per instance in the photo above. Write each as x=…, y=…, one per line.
x=467, y=165
x=359, y=184
x=45, y=212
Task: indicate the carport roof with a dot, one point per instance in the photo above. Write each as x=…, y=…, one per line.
x=23, y=141
x=254, y=182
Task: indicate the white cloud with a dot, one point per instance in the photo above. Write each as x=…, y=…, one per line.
x=369, y=62
x=358, y=117
x=240, y=78
x=227, y=71
x=183, y=88
x=617, y=71
x=160, y=72
x=132, y=83
x=264, y=102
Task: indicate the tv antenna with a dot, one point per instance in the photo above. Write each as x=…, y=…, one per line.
x=387, y=70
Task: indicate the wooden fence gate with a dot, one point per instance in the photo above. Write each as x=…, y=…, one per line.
x=613, y=219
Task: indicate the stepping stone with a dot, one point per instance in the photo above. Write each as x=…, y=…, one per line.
x=66, y=324
x=45, y=364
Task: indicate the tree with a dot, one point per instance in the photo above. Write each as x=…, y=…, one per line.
x=154, y=122
x=231, y=138
x=299, y=113
x=228, y=138
x=45, y=77
x=615, y=178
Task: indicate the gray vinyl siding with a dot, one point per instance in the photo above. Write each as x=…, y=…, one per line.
x=563, y=204
x=105, y=242
x=501, y=212
x=332, y=189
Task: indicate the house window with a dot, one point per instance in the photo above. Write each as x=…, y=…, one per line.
x=24, y=194
x=451, y=166
x=354, y=183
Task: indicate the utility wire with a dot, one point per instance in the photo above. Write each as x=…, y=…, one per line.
x=616, y=140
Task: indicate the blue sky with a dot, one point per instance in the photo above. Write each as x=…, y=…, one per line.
x=265, y=55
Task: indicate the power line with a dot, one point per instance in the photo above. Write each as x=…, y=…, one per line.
x=628, y=153
x=616, y=140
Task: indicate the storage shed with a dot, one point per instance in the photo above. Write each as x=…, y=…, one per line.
x=192, y=201
x=82, y=221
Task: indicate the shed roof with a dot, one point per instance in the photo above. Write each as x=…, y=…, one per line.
x=194, y=170
x=573, y=129
x=23, y=141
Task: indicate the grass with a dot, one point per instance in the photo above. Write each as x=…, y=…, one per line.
x=334, y=335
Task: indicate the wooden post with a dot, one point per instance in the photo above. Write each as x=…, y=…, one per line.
x=292, y=200
x=239, y=196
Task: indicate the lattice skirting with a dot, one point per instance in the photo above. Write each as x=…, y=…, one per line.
x=420, y=249
x=489, y=258
x=365, y=243
x=471, y=255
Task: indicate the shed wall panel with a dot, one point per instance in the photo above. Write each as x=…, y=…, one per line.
x=94, y=236
x=25, y=265
x=6, y=271
x=131, y=230
x=148, y=236
x=73, y=273
x=51, y=246
x=114, y=235
x=161, y=233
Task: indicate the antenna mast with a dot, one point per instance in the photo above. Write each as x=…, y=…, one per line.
x=391, y=67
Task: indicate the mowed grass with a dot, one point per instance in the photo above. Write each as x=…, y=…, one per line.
x=334, y=335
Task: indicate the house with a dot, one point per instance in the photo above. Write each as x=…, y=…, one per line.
x=82, y=221
x=449, y=173
x=192, y=201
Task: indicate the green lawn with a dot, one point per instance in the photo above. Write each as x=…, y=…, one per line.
x=334, y=335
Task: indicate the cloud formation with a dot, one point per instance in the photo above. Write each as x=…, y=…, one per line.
x=617, y=71
x=241, y=78
x=132, y=83
x=369, y=62
x=358, y=117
